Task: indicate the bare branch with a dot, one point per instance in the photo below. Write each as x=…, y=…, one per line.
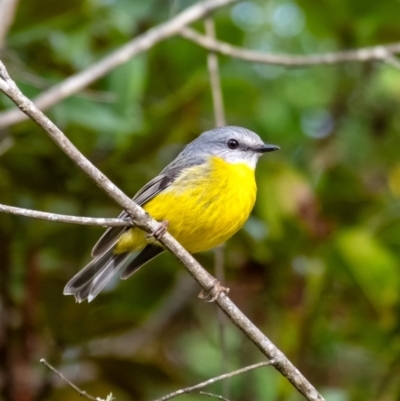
x=81, y=392
x=212, y=381
x=213, y=395
x=62, y=218
x=7, y=13
x=364, y=54
x=146, y=223
x=144, y=42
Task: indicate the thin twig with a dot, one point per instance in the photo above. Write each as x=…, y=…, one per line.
x=81, y=392
x=212, y=380
x=7, y=14
x=220, y=397
x=62, y=218
x=363, y=54
x=148, y=224
x=140, y=44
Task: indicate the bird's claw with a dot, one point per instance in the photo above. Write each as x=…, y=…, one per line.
x=159, y=231
x=214, y=292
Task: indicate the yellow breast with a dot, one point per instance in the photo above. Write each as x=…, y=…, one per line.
x=205, y=206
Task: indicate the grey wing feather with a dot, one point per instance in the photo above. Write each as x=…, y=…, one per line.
x=109, y=237
x=147, y=254
x=109, y=271
x=148, y=192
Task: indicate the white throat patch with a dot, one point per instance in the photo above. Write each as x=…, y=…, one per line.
x=235, y=158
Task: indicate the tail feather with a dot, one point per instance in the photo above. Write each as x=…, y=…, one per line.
x=147, y=254
x=88, y=282
x=88, y=272
x=106, y=275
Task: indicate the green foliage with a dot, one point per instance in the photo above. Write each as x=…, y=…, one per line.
x=317, y=265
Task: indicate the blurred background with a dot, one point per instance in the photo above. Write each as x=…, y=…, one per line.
x=317, y=265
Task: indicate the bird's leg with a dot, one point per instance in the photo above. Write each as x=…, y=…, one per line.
x=160, y=231
x=214, y=292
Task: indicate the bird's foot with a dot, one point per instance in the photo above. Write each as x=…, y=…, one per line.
x=214, y=292
x=159, y=231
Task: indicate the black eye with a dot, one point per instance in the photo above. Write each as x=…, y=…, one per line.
x=233, y=144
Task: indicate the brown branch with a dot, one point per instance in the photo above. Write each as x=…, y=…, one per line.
x=212, y=381
x=140, y=44
x=63, y=218
x=381, y=53
x=148, y=224
x=7, y=14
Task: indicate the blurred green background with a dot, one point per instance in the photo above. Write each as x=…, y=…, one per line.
x=317, y=265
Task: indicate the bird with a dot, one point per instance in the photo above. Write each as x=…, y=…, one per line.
x=203, y=197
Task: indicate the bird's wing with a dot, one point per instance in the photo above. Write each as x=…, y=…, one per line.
x=145, y=194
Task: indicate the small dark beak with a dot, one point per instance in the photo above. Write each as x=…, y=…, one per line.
x=267, y=148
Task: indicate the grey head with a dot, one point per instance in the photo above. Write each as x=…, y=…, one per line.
x=233, y=144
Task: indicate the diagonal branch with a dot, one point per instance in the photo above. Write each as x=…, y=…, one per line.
x=148, y=224
x=213, y=380
x=140, y=44
x=62, y=218
x=381, y=52
x=81, y=392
